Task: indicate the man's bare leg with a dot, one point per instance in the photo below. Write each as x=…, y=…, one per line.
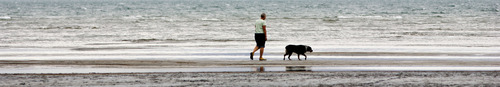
x=254, y=49
x=261, y=53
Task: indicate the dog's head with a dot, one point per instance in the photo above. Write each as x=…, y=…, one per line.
x=309, y=49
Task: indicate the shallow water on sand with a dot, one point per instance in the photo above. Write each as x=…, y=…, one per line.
x=242, y=53
x=80, y=69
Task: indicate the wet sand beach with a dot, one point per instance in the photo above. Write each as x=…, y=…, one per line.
x=258, y=77
x=324, y=79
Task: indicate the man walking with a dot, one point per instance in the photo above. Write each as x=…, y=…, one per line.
x=260, y=36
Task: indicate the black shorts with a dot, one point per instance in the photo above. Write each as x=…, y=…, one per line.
x=260, y=39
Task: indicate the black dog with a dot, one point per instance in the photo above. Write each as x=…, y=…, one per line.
x=298, y=49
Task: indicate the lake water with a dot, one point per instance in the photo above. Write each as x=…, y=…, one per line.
x=223, y=29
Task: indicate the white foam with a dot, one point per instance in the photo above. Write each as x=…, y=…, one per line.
x=370, y=17
x=210, y=19
x=134, y=17
x=5, y=17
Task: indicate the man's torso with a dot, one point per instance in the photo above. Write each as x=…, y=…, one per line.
x=258, y=26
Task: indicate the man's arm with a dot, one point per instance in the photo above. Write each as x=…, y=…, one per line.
x=265, y=32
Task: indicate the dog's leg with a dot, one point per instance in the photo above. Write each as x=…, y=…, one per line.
x=289, y=56
x=298, y=56
x=305, y=56
x=285, y=54
x=284, y=57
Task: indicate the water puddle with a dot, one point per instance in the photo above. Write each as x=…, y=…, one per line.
x=59, y=69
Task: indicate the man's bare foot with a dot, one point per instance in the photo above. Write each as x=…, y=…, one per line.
x=262, y=59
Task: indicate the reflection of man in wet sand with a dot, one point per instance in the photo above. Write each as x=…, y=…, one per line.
x=260, y=69
x=260, y=36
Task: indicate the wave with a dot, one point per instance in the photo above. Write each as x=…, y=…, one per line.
x=142, y=40
x=109, y=48
x=184, y=40
x=370, y=17
x=5, y=17
x=331, y=20
x=134, y=17
x=490, y=10
x=446, y=33
x=210, y=19
x=69, y=27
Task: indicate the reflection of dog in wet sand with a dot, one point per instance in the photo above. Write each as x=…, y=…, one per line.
x=298, y=49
